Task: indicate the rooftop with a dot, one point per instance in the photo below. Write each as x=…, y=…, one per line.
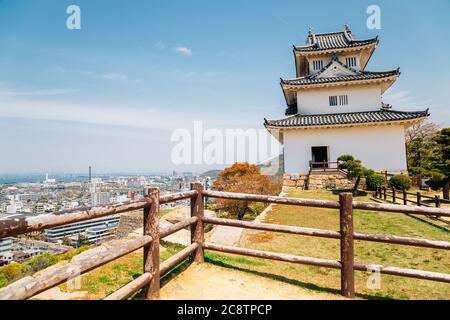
x=359, y=75
x=320, y=120
x=333, y=40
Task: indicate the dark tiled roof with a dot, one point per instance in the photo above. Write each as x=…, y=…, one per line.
x=382, y=115
x=361, y=75
x=333, y=40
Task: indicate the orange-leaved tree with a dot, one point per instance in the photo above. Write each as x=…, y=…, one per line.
x=242, y=178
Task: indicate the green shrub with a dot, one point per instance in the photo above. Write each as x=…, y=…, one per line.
x=11, y=272
x=400, y=182
x=3, y=280
x=375, y=181
x=39, y=262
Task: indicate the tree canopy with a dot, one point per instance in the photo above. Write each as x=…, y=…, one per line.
x=440, y=166
x=354, y=169
x=242, y=178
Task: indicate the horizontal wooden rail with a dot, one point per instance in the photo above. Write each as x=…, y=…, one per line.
x=403, y=272
x=410, y=273
x=272, y=199
x=177, y=196
x=19, y=224
x=165, y=232
x=86, y=261
x=129, y=289
x=140, y=282
x=327, y=203
x=418, y=242
x=384, y=207
x=177, y=258
x=22, y=223
x=274, y=227
x=274, y=256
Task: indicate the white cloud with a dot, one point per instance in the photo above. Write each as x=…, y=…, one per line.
x=6, y=91
x=404, y=99
x=183, y=51
x=19, y=107
x=113, y=76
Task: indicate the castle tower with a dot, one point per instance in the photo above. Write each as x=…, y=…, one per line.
x=335, y=107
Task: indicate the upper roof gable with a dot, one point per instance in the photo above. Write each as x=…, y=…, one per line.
x=335, y=69
x=333, y=40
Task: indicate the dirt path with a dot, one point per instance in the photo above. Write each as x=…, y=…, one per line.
x=207, y=282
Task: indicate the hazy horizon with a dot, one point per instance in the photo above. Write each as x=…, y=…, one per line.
x=111, y=94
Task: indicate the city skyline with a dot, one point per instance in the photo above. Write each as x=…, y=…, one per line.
x=109, y=95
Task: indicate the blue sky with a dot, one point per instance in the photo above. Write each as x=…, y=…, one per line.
x=110, y=94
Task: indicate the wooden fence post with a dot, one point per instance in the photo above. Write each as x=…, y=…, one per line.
x=347, y=250
x=384, y=194
x=197, y=230
x=419, y=197
x=437, y=201
x=394, y=198
x=151, y=252
x=405, y=198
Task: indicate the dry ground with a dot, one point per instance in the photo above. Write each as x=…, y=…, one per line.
x=207, y=282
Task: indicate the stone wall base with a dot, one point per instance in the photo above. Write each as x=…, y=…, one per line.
x=295, y=181
x=128, y=223
x=320, y=180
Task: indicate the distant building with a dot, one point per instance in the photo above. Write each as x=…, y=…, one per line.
x=28, y=197
x=98, y=233
x=5, y=247
x=58, y=233
x=100, y=198
x=39, y=208
x=49, y=183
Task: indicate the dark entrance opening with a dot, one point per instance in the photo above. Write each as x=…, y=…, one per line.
x=319, y=155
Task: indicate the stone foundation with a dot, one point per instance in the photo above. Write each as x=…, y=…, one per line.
x=331, y=180
x=320, y=180
x=128, y=223
x=295, y=181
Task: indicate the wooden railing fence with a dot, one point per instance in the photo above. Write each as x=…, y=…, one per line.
x=324, y=166
x=150, y=240
x=392, y=194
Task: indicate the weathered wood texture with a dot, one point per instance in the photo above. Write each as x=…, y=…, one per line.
x=403, y=272
x=31, y=285
x=401, y=209
x=20, y=224
x=177, y=227
x=177, y=196
x=347, y=245
x=151, y=251
x=272, y=199
x=177, y=258
x=197, y=230
x=331, y=234
x=410, y=273
x=328, y=203
x=137, y=284
x=274, y=256
x=129, y=289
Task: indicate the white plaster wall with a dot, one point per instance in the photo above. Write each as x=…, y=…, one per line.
x=378, y=147
x=360, y=98
x=327, y=59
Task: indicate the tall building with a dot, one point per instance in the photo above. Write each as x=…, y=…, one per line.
x=335, y=107
x=100, y=198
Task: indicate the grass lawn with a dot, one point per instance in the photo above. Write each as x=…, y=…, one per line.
x=106, y=279
x=328, y=280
